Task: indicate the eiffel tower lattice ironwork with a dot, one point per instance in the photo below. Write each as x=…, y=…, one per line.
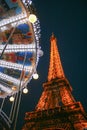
x=57, y=108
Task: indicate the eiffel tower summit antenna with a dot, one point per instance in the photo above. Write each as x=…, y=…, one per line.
x=55, y=66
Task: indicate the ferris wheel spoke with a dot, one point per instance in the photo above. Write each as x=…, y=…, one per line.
x=15, y=81
x=15, y=66
x=5, y=88
x=13, y=19
x=5, y=117
x=18, y=48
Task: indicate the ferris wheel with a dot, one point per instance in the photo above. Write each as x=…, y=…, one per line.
x=19, y=52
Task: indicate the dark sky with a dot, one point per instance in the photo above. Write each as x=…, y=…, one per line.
x=68, y=20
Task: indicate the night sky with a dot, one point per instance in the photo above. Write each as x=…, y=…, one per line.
x=68, y=20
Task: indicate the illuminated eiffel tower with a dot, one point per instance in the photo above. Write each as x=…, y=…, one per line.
x=57, y=108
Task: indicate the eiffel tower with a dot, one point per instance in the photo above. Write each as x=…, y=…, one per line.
x=57, y=109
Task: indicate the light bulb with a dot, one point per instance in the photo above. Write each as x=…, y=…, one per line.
x=14, y=88
x=35, y=76
x=11, y=99
x=25, y=90
x=32, y=18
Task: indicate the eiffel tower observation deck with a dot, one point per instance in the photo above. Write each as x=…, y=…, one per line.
x=56, y=109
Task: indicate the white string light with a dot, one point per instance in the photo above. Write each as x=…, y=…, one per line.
x=13, y=19
x=32, y=18
x=25, y=90
x=14, y=66
x=18, y=48
x=5, y=89
x=11, y=99
x=10, y=79
x=35, y=76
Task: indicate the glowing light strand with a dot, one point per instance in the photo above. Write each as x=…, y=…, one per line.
x=18, y=48
x=14, y=66
x=10, y=79
x=6, y=89
x=13, y=19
